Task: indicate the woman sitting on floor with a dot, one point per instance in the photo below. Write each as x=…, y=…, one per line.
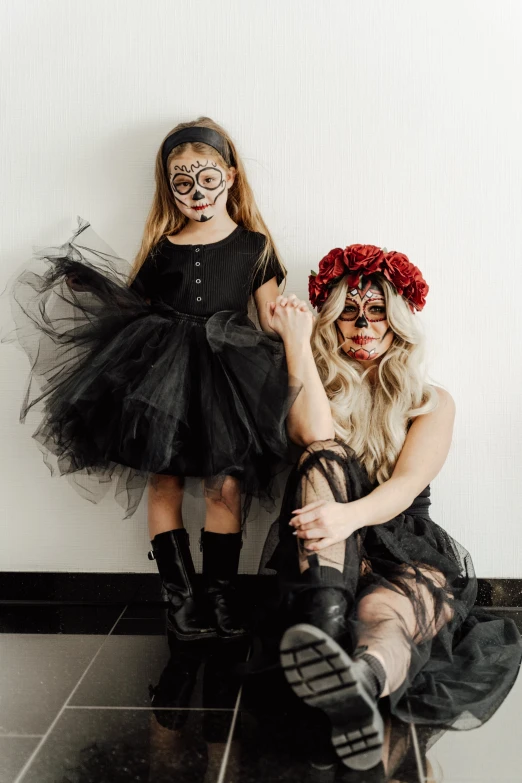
x=381, y=599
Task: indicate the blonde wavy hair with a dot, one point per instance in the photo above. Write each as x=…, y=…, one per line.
x=372, y=411
x=165, y=217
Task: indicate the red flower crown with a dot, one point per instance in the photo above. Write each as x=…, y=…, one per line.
x=358, y=261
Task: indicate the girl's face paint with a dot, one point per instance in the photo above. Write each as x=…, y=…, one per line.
x=200, y=186
x=363, y=330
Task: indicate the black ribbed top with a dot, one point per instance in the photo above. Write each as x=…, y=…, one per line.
x=203, y=279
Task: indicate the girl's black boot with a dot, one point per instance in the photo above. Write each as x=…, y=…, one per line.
x=186, y=614
x=221, y=553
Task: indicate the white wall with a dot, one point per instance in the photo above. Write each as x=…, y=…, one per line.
x=389, y=122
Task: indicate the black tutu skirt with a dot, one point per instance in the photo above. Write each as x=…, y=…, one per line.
x=125, y=389
x=464, y=659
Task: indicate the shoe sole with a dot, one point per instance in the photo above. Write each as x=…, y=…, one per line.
x=321, y=673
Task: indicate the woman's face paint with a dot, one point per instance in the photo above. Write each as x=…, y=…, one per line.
x=363, y=330
x=200, y=186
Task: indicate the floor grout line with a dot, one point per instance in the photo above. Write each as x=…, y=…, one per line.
x=226, y=754
x=418, y=758
x=224, y=760
x=43, y=739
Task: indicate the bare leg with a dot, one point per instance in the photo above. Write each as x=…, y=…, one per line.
x=164, y=504
x=224, y=508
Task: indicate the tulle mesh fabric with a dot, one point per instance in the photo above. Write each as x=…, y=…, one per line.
x=127, y=389
x=457, y=666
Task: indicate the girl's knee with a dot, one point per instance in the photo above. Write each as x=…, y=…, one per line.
x=166, y=485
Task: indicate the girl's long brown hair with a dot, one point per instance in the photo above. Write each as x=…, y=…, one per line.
x=166, y=219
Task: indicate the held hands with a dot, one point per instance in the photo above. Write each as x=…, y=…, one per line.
x=290, y=318
x=327, y=521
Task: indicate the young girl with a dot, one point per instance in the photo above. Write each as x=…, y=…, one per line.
x=167, y=378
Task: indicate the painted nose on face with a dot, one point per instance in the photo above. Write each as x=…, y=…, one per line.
x=361, y=322
x=197, y=196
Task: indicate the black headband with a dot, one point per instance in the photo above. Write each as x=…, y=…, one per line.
x=196, y=133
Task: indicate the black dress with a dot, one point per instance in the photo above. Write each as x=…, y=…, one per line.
x=461, y=669
x=165, y=376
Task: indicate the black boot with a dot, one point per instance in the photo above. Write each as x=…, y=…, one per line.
x=323, y=601
x=220, y=563
x=185, y=616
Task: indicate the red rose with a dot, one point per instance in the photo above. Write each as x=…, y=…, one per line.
x=398, y=270
x=317, y=293
x=416, y=292
x=366, y=257
x=353, y=280
x=331, y=266
x=406, y=278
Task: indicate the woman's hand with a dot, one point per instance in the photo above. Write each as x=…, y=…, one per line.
x=290, y=318
x=327, y=521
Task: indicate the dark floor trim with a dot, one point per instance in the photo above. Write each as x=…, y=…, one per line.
x=110, y=588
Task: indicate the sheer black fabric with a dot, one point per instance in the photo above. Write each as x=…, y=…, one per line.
x=458, y=665
x=126, y=389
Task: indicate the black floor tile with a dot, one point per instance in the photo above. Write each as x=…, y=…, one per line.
x=190, y=674
x=295, y=746
x=113, y=746
x=37, y=674
x=146, y=611
x=57, y=618
x=14, y=752
x=141, y=626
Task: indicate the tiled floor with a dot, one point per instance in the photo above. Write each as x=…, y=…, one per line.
x=92, y=694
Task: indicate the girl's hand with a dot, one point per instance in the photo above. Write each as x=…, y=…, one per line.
x=290, y=317
x=325, y=520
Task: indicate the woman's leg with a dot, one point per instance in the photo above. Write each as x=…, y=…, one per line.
x=323, y=595
x=165, y=499
x=316, y=485
x=391, y=622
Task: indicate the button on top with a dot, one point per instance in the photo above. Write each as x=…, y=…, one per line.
x=197, y=250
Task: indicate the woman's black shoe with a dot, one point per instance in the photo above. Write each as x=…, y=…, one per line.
x=324, y=676
x=221, y=553
x=186, y=616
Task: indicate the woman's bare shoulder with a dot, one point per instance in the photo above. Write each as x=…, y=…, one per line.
x=445, y=398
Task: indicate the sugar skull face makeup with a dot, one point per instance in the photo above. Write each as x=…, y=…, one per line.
x=200, y=186
x=362, y=327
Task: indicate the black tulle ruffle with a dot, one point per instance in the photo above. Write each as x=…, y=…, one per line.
x=126, y=389
x=459, y=675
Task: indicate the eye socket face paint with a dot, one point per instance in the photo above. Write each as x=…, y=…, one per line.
x=362, y=327
x=197, y=186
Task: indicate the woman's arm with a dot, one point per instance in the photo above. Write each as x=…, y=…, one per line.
x=424, y=452
x=309, y=418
